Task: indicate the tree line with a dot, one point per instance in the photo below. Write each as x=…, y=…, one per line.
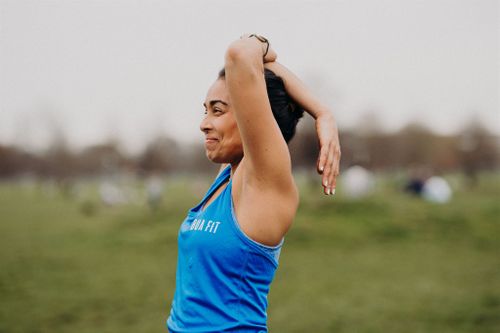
x=471, y=150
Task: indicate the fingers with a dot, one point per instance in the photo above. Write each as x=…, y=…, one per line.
x=335, y=168
x=271, y=55
x=331, y=156
x=323, y=154
x=328, y=179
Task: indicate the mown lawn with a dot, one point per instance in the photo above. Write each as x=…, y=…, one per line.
x=387, y=263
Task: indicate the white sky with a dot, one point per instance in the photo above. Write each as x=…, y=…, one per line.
x=134, y=69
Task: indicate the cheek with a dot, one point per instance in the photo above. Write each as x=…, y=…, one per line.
x=235, y=134
x=228, y=128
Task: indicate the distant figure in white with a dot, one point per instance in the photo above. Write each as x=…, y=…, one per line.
x=357, y=182
x=436, y=189
x=154, y=189
x=111, y=194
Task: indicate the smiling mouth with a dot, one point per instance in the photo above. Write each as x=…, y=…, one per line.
x=210, y=142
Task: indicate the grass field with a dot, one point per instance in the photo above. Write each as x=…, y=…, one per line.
x=387, y=263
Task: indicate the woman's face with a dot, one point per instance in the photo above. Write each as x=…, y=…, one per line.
x=222, y=137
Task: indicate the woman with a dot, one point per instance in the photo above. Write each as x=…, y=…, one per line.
x=230, y=242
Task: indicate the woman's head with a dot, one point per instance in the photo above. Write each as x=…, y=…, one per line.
x=222, y=137
x=223, y=142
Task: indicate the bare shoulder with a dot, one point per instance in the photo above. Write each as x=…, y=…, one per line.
x=264, y=213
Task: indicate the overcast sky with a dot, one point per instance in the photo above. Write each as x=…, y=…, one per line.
x=131, y=70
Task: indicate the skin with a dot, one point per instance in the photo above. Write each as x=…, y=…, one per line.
x=328, y=161
x=222, y=138
x=240, y=130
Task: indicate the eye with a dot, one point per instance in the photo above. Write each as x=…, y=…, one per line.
x=217, y=110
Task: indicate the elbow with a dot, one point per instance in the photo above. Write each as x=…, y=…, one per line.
x=239, y=54
x=234, y=52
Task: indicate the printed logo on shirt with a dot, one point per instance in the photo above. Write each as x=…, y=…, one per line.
x=201, y=225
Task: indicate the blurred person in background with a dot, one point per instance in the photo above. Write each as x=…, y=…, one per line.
x=229, y=244
x=416, y=179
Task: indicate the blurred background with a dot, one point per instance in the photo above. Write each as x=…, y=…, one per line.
x=101, y=155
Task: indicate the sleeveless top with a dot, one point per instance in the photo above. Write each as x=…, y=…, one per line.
x=223, y=276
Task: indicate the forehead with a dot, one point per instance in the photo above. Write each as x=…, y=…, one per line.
x=217, y=91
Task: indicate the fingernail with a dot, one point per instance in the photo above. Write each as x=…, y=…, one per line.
x=328, y=191
x=325, y=183
x=321, y=168
x=332, y=192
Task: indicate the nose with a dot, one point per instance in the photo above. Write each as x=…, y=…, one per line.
x=205, y=125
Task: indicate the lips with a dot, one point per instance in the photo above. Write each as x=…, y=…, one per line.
x=210, y=141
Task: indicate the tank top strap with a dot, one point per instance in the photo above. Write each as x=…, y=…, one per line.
x=221, y=178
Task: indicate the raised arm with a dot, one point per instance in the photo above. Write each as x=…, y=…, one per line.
x=266, y=157
x=326, y=128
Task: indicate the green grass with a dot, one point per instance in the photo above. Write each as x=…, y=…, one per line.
x=387, y=263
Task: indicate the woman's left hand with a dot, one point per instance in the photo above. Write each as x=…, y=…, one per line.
x=271, y=54
x=328, y=163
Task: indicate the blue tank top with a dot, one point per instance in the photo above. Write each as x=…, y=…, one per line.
x=223, y=276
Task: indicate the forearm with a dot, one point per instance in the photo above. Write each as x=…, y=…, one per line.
x=298, y=91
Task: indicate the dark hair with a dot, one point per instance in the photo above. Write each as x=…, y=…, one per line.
x=286, y=112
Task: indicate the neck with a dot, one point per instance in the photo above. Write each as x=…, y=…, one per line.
x=234, y=166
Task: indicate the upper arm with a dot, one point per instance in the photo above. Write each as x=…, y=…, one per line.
x=266, y=154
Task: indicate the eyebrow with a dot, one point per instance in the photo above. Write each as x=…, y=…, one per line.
x=215, y=101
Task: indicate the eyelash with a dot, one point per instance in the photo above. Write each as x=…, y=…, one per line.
x=215, y=111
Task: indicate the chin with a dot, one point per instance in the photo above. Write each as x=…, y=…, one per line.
x=212, y=157
x=216, y=157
